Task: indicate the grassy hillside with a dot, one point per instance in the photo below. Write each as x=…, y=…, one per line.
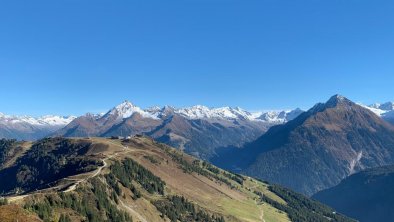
x=142, y=180
x=12, y=213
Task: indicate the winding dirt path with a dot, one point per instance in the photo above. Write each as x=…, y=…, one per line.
x=75, y=184
x=98, y=170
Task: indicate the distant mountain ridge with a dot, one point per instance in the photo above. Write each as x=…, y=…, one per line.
x=126, y=109
x=198, y=130
x=31, y=128
x=385, y=110
x=317, y=149
x=43, y=120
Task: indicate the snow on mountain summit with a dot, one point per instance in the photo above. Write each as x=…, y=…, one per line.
x=380, y=109
x=279, y=116
x=49, y=120
x=389, y=106
x=126, y=109
x=203, y=112
x=56, y=120
x=385, y=110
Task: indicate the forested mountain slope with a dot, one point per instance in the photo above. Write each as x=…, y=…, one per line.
x=142, y=180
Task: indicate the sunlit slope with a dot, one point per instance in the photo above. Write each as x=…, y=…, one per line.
x=143, y=180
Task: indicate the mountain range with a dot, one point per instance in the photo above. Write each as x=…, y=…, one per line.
x=198, y=130
x=317, y=149
x=30, y=128
x=327, y=151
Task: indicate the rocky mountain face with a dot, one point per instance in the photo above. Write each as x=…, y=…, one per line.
x=30, y=128
x=366, y=196
x=317, y=149
x=198, y=130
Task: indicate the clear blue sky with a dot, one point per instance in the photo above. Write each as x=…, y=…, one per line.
x=74, y=56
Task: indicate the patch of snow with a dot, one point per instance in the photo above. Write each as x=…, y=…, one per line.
x=355, y=161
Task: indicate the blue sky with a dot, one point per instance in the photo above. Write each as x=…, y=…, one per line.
x=74, y=56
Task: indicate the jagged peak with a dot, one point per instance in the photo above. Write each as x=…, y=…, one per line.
x=167, y=108
x=338, y=100
x=126, y=109
x=388, y=106
x=125, y=104
x=153, y=109
x=334, y=101
x=93, y=115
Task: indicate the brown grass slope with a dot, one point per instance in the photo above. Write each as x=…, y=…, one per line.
x=12, y=213
x=101, y=195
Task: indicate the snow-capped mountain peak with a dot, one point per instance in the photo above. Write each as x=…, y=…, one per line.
x=389, y=106
x=56, y=120
x=203, y=112
x=160, y=112
x=126, y=109
x=279, y=116
x=374, y=106
x=195, y=112
x=49, y=120
x=385, y=110
x=229, y=113
x=380, y=108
